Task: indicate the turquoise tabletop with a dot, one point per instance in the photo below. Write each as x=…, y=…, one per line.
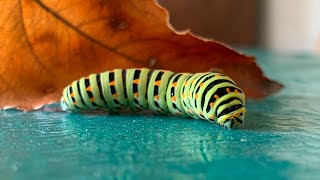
x=280, y=138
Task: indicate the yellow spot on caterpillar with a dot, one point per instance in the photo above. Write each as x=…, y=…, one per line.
x=92, y=99
x=174, y=98
x=157, y=83
x=216, y=96
x=200, y=112
x=211, y=104
x=228, y=90
x=136, y=95
x=88, y=88
x=185, y=83
x=72, y=94
x=236, y=90
x=211, y=117
x=136, y=81
x=115, y=95
x=196, y=96
x=174, y=84
x=183, y=95
x=201, y=84
x=112, y=83
x=156, y=97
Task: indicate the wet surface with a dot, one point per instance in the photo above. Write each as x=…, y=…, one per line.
x=280, y=138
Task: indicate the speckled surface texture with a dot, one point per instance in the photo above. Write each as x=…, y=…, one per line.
x=280, y=140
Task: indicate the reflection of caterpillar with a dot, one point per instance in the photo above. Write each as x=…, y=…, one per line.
x=211, y=96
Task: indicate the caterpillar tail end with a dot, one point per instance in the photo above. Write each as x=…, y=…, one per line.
x=63, y=105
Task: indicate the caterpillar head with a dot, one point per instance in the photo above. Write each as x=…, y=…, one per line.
x=234, y=117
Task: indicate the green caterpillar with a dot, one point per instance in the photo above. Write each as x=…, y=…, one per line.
x=210, y=96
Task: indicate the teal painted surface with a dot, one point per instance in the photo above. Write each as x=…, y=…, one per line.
x=280, y=140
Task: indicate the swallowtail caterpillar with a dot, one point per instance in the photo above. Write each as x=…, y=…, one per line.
x=210, y=96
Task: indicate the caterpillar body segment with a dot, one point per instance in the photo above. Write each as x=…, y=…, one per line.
x=210, y=96
x=186, y=95
x=174, y=92
x=137, y=86
x=157, y=89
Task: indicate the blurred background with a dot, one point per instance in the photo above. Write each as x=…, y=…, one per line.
x=288, y=26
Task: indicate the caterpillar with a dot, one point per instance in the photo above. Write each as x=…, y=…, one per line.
x=209, y=96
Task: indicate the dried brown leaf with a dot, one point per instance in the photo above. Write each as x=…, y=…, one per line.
x=47, y=44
